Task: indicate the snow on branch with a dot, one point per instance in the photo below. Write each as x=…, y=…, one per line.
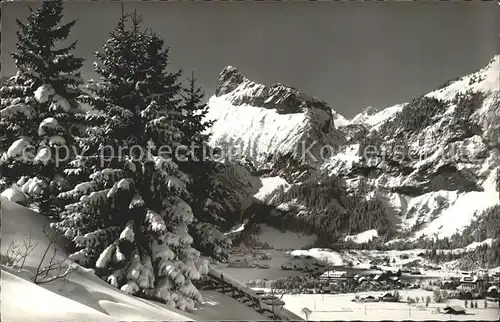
x=122, y=185
x=105, y=256
x=81, y=256
x=164, y=164
x=79, y=190
x=43, y=93
x=59, y=104
x=107, y=175
x=93, y=239
x=155, y=221
x=136, y=202
x=128, y=232
x=16, y=149
x=49, y=123
x=95, y=198
x=12, y=111
x=181, y=211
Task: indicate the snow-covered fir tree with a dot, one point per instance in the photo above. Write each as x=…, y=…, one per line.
x=212, y=204
x=130, y=218
x=194, y=123
x=38, y=105
x=204, y=188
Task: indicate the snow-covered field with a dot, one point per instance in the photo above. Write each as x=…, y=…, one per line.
x=284, y=240
x=247, y=274
x=325, y=255
x=341, y=307
x=362, y=237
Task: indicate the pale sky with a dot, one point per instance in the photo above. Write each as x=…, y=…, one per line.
x=350, y=54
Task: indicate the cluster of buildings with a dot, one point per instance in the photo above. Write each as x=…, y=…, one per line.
x=387, y=297
x=473, y=282
x=334, y=276
x=330, y=279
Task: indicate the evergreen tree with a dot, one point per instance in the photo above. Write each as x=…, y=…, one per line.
x=194, y=112
x=38, y=106
x=206, y=186
x=215, y=192
x=130, y=220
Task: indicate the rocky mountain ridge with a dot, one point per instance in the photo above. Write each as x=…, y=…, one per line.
x=431, y=163
x=269, y=123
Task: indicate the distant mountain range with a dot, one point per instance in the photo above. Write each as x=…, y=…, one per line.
x=431, y=163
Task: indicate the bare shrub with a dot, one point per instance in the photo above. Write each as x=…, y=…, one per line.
x=53, y=270
x=16, y=253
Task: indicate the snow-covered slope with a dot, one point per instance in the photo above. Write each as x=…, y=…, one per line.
x=446, y=174
x=82, y=296
x=23, y=300
x=268, y=122
x=372, y=117
x=269, y=185
x=363, y=237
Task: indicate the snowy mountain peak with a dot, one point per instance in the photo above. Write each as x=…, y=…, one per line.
x=371, y=116
x=229, y=78
x=267, y=122
x=485, y=80
x=239, y=90
x=370, y=110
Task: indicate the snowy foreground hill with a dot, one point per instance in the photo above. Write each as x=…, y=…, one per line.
x=432, y=162
x=82, y=296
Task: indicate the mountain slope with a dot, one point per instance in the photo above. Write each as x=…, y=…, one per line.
x=428, y=167
x=436, y=158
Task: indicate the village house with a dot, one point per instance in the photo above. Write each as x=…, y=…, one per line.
x=455, y=309
x=492, y=294
x=496, y=278
x=449, y=285
x=471, y=283
x=395, y=279
x=335, y=275
x=385, y=277
x=388, y=297
x=369, y=298
x=360, y=278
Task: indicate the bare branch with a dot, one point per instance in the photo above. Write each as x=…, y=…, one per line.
x=69, y=269
x=42, y=274
x=17, y=252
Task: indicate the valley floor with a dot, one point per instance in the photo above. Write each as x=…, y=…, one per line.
x=341, y=307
